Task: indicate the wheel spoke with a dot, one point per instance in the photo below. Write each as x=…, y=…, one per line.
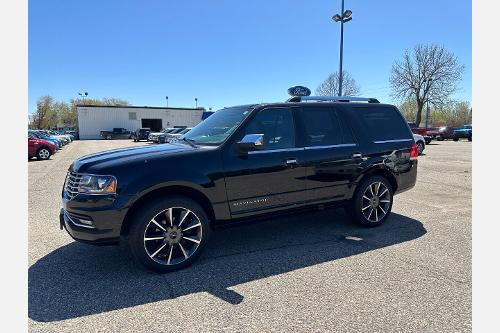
x=170, y=254
x=383, y=192
x=192, y=240
x=377, y=187
x=363, y=209
x=153, y=238
x=382, y=210
x=158, y=225
x=184, y=217
x=364, y=196
x=170, y=216
x=157, y=251
x=385, y=200
x=371, y=190
x=191, y=227
x=183, y=251
x=370, y=213
x=376, y=214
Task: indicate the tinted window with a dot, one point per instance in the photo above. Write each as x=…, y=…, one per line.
x=321, y=127
x=276, y=125
x=383, y=123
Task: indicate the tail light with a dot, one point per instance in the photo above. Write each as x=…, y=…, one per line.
x=413, y=152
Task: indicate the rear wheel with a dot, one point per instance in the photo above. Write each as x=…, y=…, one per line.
x=469, y=138
x=169, y=234
x=43, y=154
x=372, y=202
x=455, y=139
x=108, y=137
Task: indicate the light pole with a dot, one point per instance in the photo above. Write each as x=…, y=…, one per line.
x=428, y=111
x=196, y=101
x=346, y=17
x=166, y=97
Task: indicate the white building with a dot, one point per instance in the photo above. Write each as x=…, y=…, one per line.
x=92, y=119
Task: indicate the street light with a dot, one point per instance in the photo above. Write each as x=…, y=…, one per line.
x=346, y=17
x=83, y=95
x=196, y=101
x=166, y=97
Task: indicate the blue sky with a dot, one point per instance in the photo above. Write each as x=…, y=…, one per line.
x=229, y=52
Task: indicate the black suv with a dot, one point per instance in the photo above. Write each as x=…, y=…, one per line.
x=141, y=134
x=241, y=162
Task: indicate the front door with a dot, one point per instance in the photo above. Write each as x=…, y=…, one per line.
x=269, y=179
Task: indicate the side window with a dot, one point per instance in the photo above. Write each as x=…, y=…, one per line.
x=383, y=123
x=321, y=126
x=276, y=125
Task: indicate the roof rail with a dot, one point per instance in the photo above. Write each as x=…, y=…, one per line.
x=332, y=99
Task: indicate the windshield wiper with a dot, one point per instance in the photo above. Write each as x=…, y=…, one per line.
x=190, y=142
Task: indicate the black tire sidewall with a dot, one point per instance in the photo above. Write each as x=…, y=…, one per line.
x=354, y=208
x=144, y=216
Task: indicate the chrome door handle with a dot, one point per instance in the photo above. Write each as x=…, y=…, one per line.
x=291, y=161
x=357, y=155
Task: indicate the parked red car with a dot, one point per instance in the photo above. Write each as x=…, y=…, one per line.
x=40, y=148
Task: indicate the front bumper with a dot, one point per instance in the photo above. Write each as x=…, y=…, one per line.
x=84, y=233
x=93, y=219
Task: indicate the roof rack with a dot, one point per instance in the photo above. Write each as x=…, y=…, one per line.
x=332, y=99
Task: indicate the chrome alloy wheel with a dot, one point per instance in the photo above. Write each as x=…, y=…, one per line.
x=44, y=153
x=173, y=236
x=376, y=202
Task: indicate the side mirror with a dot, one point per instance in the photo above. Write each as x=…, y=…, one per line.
x=251, y=142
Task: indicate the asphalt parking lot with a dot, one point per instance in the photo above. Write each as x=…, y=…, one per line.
x=297, y=273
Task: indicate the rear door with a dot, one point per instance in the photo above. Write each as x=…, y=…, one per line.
x=332, y=154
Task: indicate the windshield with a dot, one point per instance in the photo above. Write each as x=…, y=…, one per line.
x=216, y=128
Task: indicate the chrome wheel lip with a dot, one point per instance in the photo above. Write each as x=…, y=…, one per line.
x=169, y=245
x=375, y=202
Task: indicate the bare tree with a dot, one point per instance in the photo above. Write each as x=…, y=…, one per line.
x=330, y=87
x=428, y=73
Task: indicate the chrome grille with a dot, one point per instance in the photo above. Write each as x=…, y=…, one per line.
x=72, y=183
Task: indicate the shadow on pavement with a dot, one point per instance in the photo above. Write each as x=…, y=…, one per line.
x=78, y=279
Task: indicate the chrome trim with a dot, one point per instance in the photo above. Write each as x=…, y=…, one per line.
x=332, y=146
x=396, y=140
x=274, y=150
x=66, y=215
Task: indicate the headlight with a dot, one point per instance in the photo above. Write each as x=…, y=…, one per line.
x=95, y=184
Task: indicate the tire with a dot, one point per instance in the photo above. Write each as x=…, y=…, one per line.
x=440, y=138
x=358, y=202
x=427, y=141
x=455, y=139
x=421, y=147
x=172, y=248
x=43, y=153
x=469, y=139
x=135, y=140
x=108, y=137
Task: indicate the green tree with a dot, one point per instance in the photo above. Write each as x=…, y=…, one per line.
x=409, y=110
x=45, y=116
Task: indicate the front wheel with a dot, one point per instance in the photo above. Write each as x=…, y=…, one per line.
x=372, y=202
x=43, y=154
x=169, y=234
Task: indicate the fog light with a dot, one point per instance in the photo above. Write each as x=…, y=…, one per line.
x=86, y=222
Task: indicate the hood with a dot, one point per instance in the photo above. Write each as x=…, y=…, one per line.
x=110, y=158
